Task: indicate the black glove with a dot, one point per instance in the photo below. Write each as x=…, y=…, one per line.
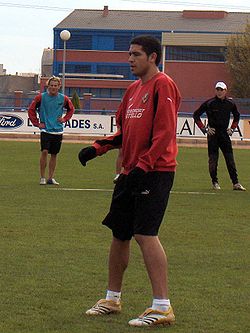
x=87, y=154
x=135, y=180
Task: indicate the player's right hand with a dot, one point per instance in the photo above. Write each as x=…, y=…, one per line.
x=230, y=131
x=42, y=125
x=135, y=180
x=210, y=130
x=87, y=154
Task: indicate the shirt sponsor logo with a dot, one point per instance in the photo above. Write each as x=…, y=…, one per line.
x=9, y=121
x=134, y=113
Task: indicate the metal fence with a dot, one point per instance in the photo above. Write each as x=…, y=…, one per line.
x=106, y=105
x=12, y=102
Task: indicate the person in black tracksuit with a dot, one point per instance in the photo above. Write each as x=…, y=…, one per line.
x=218, y=110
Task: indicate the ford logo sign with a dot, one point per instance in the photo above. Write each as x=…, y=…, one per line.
x=10, y=121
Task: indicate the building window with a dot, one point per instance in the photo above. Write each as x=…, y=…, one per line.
x=82, y=69
x=115, y=69
x=97, y=92
x=117, y=93
x=121, y=43
x=195, y=53
x=77, y=41
x=72, y=68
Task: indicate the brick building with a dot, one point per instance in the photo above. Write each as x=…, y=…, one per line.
x=97, y=52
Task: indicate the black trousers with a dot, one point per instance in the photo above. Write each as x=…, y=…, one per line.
x=221, y=140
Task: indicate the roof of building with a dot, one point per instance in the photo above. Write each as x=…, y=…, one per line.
x=184, y=21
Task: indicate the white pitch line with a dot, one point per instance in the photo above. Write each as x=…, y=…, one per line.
x=179, y=192
x=81, y=189
x=111, y=190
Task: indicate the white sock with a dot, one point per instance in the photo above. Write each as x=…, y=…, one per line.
x=113, y=295
x=161, y=304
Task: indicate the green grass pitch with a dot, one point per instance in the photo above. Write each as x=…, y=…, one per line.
x=53, y=263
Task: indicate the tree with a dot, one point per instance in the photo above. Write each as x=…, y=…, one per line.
x=76, y=100
x=238, y=62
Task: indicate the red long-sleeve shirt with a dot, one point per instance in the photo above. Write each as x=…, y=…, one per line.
x=147, y=120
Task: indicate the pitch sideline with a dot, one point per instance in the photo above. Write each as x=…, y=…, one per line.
x=111, y=190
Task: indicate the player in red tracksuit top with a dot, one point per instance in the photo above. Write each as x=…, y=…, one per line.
x=146, y=120
x=147, y=117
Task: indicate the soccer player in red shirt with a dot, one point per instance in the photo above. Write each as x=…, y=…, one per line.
x=146, y=119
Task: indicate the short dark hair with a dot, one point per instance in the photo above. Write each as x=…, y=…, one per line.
x=149, y=45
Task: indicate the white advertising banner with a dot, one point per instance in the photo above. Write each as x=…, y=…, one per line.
x=94, y=125
x=80, y=124
x=186, y=127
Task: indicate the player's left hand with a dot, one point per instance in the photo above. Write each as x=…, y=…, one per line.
x=230, y=131
x=135, y=180
x=61, y=120
x=87, y=154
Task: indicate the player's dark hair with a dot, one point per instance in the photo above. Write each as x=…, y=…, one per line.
x=149, y=45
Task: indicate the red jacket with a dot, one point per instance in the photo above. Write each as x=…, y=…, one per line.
x=147, y=120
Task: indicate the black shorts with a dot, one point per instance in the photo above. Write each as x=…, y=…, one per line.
x=51, y=142
x=139, y=214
